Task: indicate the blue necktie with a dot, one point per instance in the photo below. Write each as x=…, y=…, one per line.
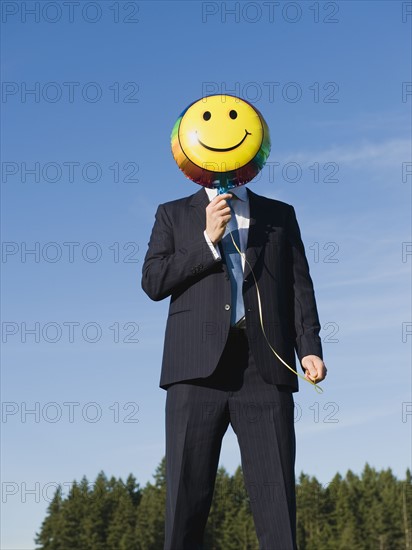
x=234, y=266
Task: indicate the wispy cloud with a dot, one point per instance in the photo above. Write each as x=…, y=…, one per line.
x=389, y=153
x=389, y=276
x=364, y=122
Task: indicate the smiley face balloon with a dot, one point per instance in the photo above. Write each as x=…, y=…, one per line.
x=220, y=141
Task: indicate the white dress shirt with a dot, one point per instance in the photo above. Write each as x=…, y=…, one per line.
x=242, y=213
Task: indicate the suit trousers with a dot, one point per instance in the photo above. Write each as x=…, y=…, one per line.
x=198, y=412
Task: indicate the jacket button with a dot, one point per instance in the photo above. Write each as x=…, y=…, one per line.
x=227, y=307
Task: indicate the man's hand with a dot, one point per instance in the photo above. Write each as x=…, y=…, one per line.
x=315, y=369
x=217, y=217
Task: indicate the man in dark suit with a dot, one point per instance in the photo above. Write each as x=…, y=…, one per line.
x=217, y=365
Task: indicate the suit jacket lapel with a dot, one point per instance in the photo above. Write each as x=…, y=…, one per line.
x=199, y=201
x=256, y=235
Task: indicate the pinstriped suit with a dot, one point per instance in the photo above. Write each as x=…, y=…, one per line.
x=213, y=374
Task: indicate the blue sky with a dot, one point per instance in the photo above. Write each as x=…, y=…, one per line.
x=331, y=93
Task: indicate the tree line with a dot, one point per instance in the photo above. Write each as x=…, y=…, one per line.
x=371, y=511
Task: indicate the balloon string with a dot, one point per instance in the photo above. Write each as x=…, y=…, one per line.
x=242, y=254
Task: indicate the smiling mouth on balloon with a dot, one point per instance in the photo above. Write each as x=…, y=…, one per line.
x=227, y=148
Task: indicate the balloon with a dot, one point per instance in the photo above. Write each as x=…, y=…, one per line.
x=220, y=141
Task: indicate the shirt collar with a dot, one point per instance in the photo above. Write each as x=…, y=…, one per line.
x=240, y=192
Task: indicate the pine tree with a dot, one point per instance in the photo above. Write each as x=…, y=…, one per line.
x=390, y=495
x=100, y=508
x=121, y=529
x=329, y=531
x=151, y=512
x=407, y=509
x=73, y=513
x=379, y=509
x=49, y=536
x=308, y=494
x=348, y=523
x=238, y=526
x=214, y=527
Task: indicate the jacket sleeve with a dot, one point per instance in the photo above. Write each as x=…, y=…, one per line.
x=170, y=262
x=306, y=318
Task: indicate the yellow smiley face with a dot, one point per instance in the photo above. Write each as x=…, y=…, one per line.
x=220, y=135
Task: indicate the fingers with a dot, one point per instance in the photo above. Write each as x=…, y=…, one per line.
x=315, y=369
x=219, y=202
x=219, y=207
x=221, y=198
x=312, y=374
x=218, y=215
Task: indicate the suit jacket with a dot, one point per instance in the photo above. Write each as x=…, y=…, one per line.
x=180, y=264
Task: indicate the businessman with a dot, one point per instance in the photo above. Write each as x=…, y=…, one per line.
x=217, y=367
